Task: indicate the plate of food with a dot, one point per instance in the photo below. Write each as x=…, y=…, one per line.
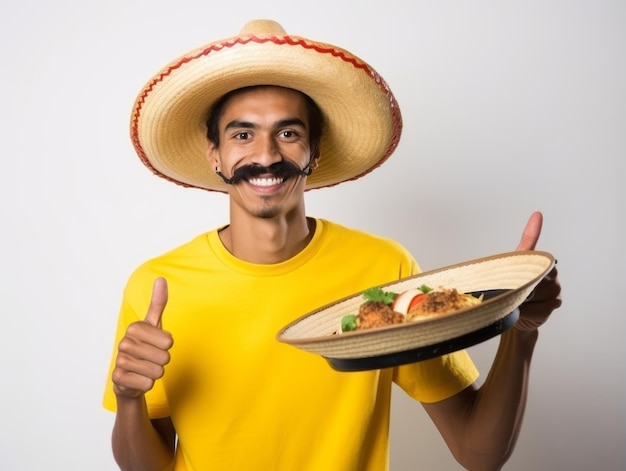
x=422, y=316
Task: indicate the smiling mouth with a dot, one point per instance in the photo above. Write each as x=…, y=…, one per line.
x=267, y=181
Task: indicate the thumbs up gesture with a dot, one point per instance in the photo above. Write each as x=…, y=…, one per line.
x=144, y=350
x=546, y=297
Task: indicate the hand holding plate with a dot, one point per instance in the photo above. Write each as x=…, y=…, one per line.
x=546, y=297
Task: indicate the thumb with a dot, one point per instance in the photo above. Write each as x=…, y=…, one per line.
x=157, y=302
x=531, y=233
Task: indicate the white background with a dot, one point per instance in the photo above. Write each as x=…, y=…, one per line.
x=508, y=107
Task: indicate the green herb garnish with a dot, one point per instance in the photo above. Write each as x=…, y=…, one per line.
x=376, y=294
x=425, y=289
x=348, y=323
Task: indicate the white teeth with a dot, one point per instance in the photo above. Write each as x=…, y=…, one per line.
x=265, y=181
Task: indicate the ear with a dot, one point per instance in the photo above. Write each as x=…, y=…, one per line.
x=213, y=157
x=315, y=158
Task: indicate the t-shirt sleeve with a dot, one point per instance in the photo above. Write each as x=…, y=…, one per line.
x=437, y=379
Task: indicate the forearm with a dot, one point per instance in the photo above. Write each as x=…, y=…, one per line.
x=498, y=408
x=137, y=445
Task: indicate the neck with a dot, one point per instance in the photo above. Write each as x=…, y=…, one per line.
x=267, y=241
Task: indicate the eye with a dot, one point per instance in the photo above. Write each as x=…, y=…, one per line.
x=288, y=134
x=242, y=136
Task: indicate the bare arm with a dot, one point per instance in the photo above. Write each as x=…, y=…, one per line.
x=140, y=443
x=481, y=425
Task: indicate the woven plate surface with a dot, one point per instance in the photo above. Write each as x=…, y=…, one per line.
x=513, y=274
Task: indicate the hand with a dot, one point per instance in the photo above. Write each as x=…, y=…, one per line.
x=546, y=297
x=143, y=351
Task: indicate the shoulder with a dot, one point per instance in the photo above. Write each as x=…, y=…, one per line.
x=341, y=234
x=187, y=254
x=366, y=250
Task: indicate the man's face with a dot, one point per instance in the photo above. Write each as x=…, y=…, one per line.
x=261, y=127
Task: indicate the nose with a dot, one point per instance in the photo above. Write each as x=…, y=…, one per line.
x=266, y=151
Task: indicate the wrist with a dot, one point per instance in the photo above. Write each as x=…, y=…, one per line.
x=523, y=335
x=130, y=403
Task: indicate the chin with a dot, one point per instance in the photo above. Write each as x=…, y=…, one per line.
x=267, y=213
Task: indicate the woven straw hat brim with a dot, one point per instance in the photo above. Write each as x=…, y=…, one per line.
x=363, y=121
x=517, y=272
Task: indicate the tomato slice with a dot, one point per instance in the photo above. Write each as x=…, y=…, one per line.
x=407, y=299
x=416, y=300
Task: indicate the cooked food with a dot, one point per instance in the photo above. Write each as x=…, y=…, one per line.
x=441, y=302
x=377, y=314
x=382, y=308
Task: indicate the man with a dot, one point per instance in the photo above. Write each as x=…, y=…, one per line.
x=198, y=381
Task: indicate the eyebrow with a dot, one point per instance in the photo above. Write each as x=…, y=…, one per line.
x=236, y=123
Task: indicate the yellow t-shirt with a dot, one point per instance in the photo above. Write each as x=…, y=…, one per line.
x=238, y=398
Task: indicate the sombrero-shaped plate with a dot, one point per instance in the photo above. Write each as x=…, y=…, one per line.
x=505, y=280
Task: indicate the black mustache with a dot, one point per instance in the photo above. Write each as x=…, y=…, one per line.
x=283, y=169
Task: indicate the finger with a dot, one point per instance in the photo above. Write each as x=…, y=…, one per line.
x=147, y=368
x=157, y=302
x=130, y=384
x=531, y=233
x=150, y=345
x=548, y=288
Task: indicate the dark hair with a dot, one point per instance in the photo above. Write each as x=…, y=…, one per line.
x=316, y=119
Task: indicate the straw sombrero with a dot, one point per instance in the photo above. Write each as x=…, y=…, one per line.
x=362, y=118
x=506, y=280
